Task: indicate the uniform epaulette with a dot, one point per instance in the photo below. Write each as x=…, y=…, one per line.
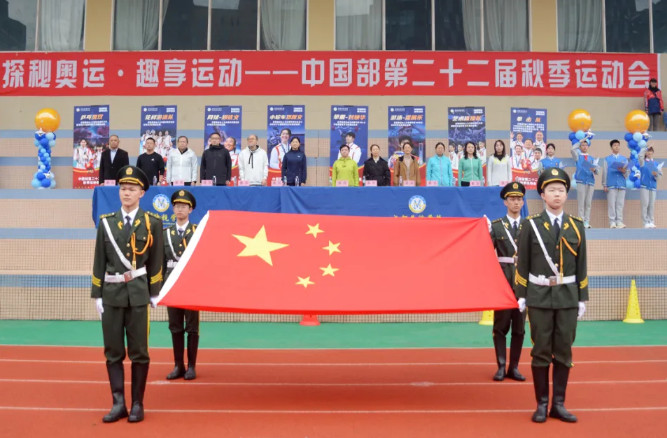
x=577, y=218
x=102, y=216
x=533, y=216
x=497, y=220
x=150, y=213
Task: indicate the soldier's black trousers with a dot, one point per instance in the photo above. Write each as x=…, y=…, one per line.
x=504, y=319
x=552, y=332
x=118, y=322
x=176, y=318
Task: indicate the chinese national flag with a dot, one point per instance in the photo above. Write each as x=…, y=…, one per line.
x=315, y=264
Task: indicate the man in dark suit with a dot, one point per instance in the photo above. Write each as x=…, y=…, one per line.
x=112, y=160
x=551, y=280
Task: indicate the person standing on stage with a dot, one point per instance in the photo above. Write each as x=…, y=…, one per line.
x=182, y=163
x=504, y=234
x=216, y=163
x=614, y=172
x=345, y=168
x=112, y=160
x=376, y=168
x=552, y=281
x=127, y=276
x=253, y=163
x=295, y=169
x=176, y=239
x=151, y=163
x=587, y=168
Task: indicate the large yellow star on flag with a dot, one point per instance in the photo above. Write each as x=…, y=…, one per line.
x=305, y=282
x=332, y=247
x=259, y=246
x=329, y=270
x=314, y=230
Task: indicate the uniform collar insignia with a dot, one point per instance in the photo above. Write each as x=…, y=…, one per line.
x=137, y=222
x=566, y=226
x=546, y=225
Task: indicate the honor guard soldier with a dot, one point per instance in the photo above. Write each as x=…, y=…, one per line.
x=551, y=279
x=127, y=277
x=504, y=234
x=176, y=239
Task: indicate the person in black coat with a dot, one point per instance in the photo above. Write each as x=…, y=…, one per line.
x=112, y=160
x=216, y=163
x=295, y=169
x=376, y=168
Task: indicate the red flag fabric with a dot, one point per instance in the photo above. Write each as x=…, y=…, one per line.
x=315, y=264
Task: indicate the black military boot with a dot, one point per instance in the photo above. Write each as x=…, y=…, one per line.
x=139, y=377
x=193, y=345
x=178, y=341
x=560, y=376
x=541, y=384
x=117, y=382
x=516, y=344
x=499, y=344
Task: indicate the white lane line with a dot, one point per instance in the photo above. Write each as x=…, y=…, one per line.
x=335, y=364
x=336, y=412
x=331, y=384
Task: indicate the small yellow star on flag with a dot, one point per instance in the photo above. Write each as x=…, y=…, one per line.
x=314, y=230
x=329, y=270
x=332, y=247
x=305, y=282
x=259, y=246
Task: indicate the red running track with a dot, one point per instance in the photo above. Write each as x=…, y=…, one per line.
x=63, y=392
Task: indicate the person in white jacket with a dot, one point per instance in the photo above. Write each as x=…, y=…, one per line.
x=499, y=166
x=253, y=163
x=182, y=163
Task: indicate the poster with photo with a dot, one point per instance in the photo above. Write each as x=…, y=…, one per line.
x=283, y=123
x=90, y=138
x=160, y=123
x=528, y=134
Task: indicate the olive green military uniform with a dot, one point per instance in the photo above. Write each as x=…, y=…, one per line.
x=504, y=238
x=552, y=309
x=126, y=304
x=552, y=277
x=127, y=272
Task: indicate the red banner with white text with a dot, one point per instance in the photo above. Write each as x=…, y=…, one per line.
x=325, y=73
x=317, y=264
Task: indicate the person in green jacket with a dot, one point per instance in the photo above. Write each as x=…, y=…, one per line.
x=439, y=167
x=345, y=168
x=470, y=167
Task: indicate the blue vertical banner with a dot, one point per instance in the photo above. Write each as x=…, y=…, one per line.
x=406, y=122
x=279, y=119
x=349, y=125
x=160, y=123
x=226, y=121
x=465, y=124
x=91, y=137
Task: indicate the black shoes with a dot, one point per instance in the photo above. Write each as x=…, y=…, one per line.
x=193, y=345
x=560, y=377
x=501, y=357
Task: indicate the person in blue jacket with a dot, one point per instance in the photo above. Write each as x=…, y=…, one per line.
x=614, y=172
x=439, y=167
x=650, y=173
x=587, y=168
x=550, y=160
x=294, y=170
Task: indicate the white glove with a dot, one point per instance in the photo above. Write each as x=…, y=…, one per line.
x=488, y=222
x=154, y=302
x=522, y=304
x=582, y=309
x=99, y=306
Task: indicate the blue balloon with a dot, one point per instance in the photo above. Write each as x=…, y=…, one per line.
x=629, y=184
x=37, y=144
x=637, y=136
x=572, y=136
x=44, y=142
x=40, y=176
x=52, y=143
x=580, y=135
x=46, y=183
x=628, y=136
x=36, y=183
x=633, y=153
x=641, y=143
x=50, y=136
x=47, y=168
x=638, y=183
x=575, y=141
x=632, y=144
